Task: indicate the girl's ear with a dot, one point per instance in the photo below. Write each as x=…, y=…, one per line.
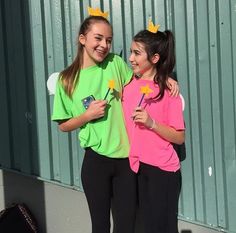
x=155, y=58
x=82, y=39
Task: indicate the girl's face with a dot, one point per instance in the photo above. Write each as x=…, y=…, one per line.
x=139, y=60
x=96, y=43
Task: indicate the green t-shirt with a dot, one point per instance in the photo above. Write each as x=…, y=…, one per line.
x=107, y=136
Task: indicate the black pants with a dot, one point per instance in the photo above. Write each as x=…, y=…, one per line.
x=158, y=199
x=109, y=182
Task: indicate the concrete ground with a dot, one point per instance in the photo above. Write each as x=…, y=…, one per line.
x=56, y=208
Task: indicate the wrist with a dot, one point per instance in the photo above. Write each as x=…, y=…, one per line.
x=86, y=117
x=153, y=124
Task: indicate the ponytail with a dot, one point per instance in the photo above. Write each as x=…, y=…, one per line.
x=166, y=63
x=170, y=50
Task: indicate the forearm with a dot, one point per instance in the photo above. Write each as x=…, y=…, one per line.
x=95, y=110
x=74, y=123
x=168, y=133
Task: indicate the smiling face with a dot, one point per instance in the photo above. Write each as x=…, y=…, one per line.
x=140, y=63
x=96, y=43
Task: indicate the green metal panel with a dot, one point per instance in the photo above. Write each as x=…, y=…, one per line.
x=38, y=38
x=227, y=72
x=17, y=139
x=5, y=131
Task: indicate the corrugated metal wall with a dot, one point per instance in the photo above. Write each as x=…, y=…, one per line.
x=18, y=148
x=38, y=38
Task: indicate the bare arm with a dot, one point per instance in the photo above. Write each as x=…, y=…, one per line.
x=166, y=132
x=95, y=110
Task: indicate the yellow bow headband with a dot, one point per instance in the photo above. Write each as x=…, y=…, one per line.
x=97, y=12
x=151, y=27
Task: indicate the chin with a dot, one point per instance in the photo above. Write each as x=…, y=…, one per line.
x=99, y=59
x=136, y=72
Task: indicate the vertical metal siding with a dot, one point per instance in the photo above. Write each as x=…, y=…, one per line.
x=17, y=138
x=4, y=135
x=38, y=38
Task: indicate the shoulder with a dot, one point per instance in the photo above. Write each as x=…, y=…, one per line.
x=114, y=60
x=112, y=57
x=170, y=98
x=175, y=101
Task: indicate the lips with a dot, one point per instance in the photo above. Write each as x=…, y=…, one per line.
x=134, y=66
x=101, y=52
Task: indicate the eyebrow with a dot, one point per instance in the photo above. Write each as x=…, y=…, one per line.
x=97, y=34
x=135, y=50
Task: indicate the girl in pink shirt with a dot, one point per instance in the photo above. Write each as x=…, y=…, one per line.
x=153, y=124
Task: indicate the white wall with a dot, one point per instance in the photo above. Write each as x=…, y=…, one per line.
x=57, y=209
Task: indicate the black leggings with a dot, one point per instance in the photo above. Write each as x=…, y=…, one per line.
x=109, y=183
x=158, y=199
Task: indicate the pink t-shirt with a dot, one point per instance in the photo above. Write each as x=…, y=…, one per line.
x=145, y=145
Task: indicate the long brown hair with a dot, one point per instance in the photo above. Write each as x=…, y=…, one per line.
x=69, y=76
x=161, y=43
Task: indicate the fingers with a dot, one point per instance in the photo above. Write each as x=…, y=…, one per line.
x=141, y=116
x=174, y=89
x=173, y=86
x=138, y=109
x=97, y=109
x=137, y=113
x=99, y=102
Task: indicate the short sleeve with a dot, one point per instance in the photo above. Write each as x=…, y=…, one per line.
x=62, y=104
x=175, y=113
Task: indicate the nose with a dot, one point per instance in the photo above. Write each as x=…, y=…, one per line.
x=131, y=57
x=104, y=43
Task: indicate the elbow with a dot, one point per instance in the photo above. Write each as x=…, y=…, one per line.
x=180, y=139
x=63, y=128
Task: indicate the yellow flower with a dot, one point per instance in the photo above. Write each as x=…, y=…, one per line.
x=111, y=84
x=146, y=90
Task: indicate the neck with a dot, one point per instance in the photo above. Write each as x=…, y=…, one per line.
x=149, y=75
x=87, y=61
